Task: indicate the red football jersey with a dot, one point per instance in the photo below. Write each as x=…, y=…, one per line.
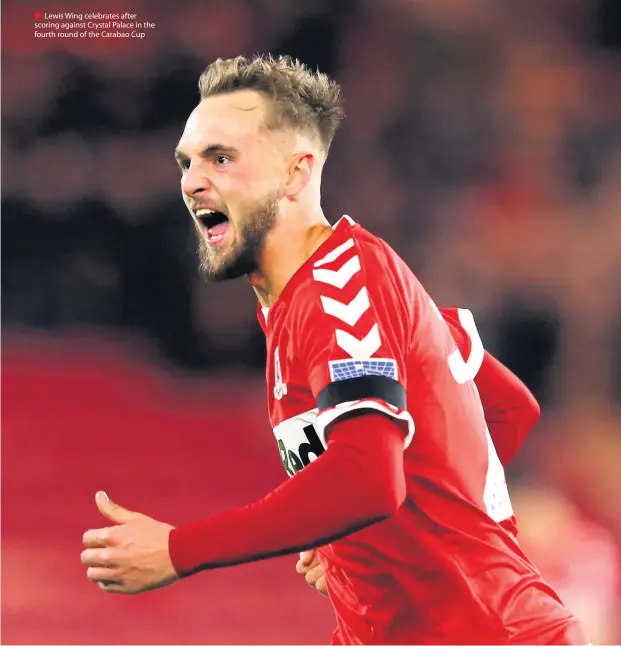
x=354, y=329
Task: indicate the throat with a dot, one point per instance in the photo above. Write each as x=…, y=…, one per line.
x=317, y=236
x=280, y=261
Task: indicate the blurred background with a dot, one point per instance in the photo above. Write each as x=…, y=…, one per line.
x=483, y=142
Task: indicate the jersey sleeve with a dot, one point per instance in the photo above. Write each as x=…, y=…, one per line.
x=352, y=347
x=511, y=410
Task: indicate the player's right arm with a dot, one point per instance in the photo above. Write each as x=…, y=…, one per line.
x=510, y=408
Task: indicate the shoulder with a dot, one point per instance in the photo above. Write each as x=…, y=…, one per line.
x=354, y=272
x=342, y=276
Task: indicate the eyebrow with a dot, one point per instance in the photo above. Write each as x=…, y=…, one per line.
x=209, y=151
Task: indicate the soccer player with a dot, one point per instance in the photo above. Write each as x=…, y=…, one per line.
x=373, y=395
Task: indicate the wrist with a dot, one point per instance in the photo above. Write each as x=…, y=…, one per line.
x=182, y=543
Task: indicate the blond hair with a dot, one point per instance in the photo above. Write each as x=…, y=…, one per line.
x=302, y=99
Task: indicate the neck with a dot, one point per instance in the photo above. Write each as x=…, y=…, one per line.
x=286, y=249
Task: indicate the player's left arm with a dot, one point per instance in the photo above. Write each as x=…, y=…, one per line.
x=363, y=423
x=359, y=480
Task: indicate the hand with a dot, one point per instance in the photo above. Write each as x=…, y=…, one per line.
x=310, y=566
x=130, y=557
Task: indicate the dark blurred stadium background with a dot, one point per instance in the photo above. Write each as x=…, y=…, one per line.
x=483, y=142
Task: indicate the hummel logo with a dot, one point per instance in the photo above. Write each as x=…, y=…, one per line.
x=340, y=277
x=350, y=313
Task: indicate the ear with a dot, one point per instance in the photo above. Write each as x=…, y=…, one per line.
x=300, y=173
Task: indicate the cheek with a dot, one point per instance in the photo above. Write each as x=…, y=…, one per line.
x=252, y=180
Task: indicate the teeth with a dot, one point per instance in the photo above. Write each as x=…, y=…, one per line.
x=201, y=212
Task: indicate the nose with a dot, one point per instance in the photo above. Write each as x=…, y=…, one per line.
x=194, y=181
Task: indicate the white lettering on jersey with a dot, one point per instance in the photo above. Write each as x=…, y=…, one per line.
x=495, y=493
x=301, y=439
x=461, y=370
x=298, y=441
x=280, y=387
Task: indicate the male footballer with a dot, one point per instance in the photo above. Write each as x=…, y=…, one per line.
x=392, y=421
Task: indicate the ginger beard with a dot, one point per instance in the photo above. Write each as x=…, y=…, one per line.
x=239, y=256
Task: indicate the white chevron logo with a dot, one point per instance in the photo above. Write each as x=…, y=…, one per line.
x=340, y=277
x=359, y=348
x=335, y=253
x=349, y=313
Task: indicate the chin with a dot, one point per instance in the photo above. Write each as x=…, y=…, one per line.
x=223, y=276
x=235, y=261
x=228, y=271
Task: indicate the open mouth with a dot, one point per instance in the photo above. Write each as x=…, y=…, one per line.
x=216, y=224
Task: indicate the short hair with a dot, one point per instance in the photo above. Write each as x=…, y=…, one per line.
x=303, y=99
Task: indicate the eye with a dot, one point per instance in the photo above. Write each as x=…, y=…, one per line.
x=222, y=160
x=183, y=165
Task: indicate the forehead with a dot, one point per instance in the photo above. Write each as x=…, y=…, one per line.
x=229, y=119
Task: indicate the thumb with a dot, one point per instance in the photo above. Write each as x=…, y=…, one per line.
x=112, y=511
